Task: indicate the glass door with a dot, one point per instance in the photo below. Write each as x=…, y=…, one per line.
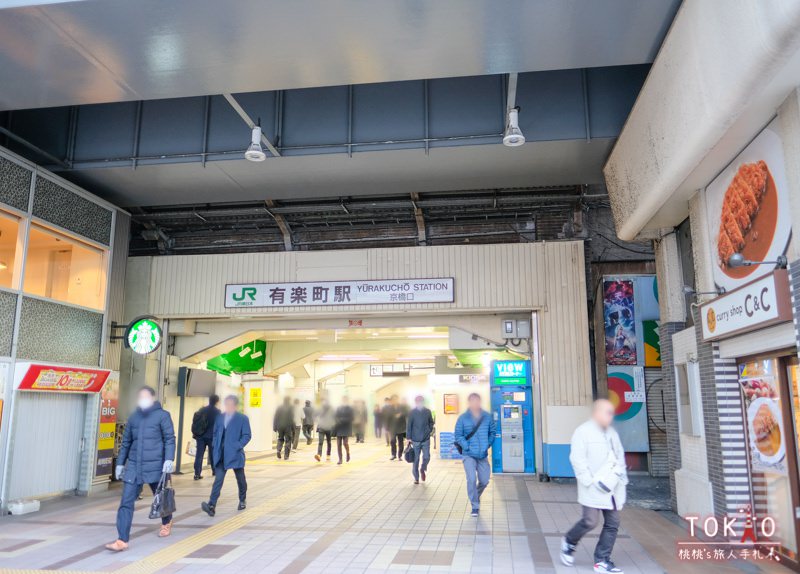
x=771, y=451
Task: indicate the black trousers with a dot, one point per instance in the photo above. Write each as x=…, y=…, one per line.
x=202, y=443
x=323, y=436
x=343, y=440
x=296, y=437
x=398, y=443
x=219, y=479
x=285, y=438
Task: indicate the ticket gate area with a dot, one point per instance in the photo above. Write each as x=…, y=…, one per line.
x=512, y=410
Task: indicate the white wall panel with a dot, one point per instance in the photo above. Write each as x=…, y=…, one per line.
x=548, y=277
x=50, y=425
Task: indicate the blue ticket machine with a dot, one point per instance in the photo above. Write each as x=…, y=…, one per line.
x=512, y=410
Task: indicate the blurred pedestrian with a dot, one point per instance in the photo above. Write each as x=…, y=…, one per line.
x=203, y=432
x=148, y=451
x=377, y=420
x=360, y=415
x=298, y=423
x=474, y=433
x=399, y=415
x=386, y=418
x=418, y=432
x=231, y=435
x=308, y=421
x=283, y=424
x=598, y=460
x=344, y=428
x=326, y=422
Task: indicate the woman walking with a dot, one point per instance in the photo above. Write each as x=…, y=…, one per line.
x=326, y=420
x=344, y=428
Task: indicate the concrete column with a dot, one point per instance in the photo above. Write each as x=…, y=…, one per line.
x=673, y=319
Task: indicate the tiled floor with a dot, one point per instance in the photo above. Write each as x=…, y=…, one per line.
x=364, y=516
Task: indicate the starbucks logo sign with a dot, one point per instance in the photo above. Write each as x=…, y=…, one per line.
x=143, y=335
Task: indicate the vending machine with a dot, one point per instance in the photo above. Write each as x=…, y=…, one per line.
x=512, y=411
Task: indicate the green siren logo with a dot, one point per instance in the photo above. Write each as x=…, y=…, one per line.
x=245, y=296
x=143, y=335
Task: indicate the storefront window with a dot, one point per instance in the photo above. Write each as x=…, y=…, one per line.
x=10, y=245
x=769, y=447
x=65, y=269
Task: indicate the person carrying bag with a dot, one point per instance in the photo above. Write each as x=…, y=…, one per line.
x=163, y=498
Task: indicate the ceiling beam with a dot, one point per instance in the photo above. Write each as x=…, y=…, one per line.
x=422, y=236
x=250, y=123
x=286, y=231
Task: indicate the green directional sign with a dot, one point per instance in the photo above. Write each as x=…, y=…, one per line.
x=143, y=335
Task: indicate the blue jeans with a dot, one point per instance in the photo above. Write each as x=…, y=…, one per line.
x=130, y=492
x=202, y=443
x=424, y=449
x=478, y=472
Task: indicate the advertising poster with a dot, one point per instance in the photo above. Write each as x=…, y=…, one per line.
x=451, y=404
x=626, y=391
x=620, y=322
x=106, y=436
x=759, y=382
x=652, y=343
x=747, y=208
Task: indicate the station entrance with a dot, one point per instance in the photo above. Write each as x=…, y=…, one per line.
x=374, y=370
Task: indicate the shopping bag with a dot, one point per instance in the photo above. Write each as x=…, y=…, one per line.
x=191, y=448
x=408, y=454
x=164, y=498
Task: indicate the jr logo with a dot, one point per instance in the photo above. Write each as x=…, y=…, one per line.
x=245, y=293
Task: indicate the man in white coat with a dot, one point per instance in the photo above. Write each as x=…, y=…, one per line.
x=598, y=460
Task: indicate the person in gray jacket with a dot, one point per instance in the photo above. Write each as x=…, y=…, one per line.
x=598, y=460
x=418, y=432
x=326, y=421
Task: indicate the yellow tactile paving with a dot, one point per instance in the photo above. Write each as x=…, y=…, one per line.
x=183, y=548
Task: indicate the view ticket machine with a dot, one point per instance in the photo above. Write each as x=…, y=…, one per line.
x=512, y=410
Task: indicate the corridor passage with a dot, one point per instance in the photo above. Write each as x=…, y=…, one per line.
x=365, y=516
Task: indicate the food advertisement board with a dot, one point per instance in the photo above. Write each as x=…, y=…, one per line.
x=747, y=210
x=759, y=382
x=451, y=404
x=106, y=435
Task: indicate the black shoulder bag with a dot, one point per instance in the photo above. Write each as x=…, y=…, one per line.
x=470, y=435
x=164, y=498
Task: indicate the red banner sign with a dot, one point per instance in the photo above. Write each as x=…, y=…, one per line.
x=63, y=379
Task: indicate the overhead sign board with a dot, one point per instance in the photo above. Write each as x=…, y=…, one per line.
x=510, y=372
x=63, y=379
x=316, y=293
x=759, y=304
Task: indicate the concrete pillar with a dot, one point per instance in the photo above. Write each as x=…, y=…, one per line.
x=673, y=319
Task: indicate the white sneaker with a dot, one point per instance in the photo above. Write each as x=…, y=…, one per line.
x=607, y=568
x=567, y=553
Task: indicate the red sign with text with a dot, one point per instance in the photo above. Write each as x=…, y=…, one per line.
x=63, y=379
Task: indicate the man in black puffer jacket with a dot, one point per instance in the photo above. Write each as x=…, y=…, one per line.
x=148, y=450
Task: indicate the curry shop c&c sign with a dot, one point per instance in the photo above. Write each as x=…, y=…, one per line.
x=760, y=303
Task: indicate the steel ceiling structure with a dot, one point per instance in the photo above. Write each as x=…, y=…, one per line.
x=92, y=51
x=440, y=218
x=97, y=145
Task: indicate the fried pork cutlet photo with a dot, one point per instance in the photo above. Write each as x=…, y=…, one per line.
x=740, y=207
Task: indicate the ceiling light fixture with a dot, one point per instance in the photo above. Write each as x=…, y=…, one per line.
x=430, y=336
x=244, y=352
x=255, y=152
x=513, y=135
x=256, y=355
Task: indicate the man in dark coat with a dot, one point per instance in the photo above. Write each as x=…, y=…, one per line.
x=148, y=450
x=386, y=418
x=231, y=435
x=398, y=427
x=203, y=432
x=418, y=431
x=344, y=428
x=308, y=421
x=283, y=424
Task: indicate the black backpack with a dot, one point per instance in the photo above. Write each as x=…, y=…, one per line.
x=199, y=423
